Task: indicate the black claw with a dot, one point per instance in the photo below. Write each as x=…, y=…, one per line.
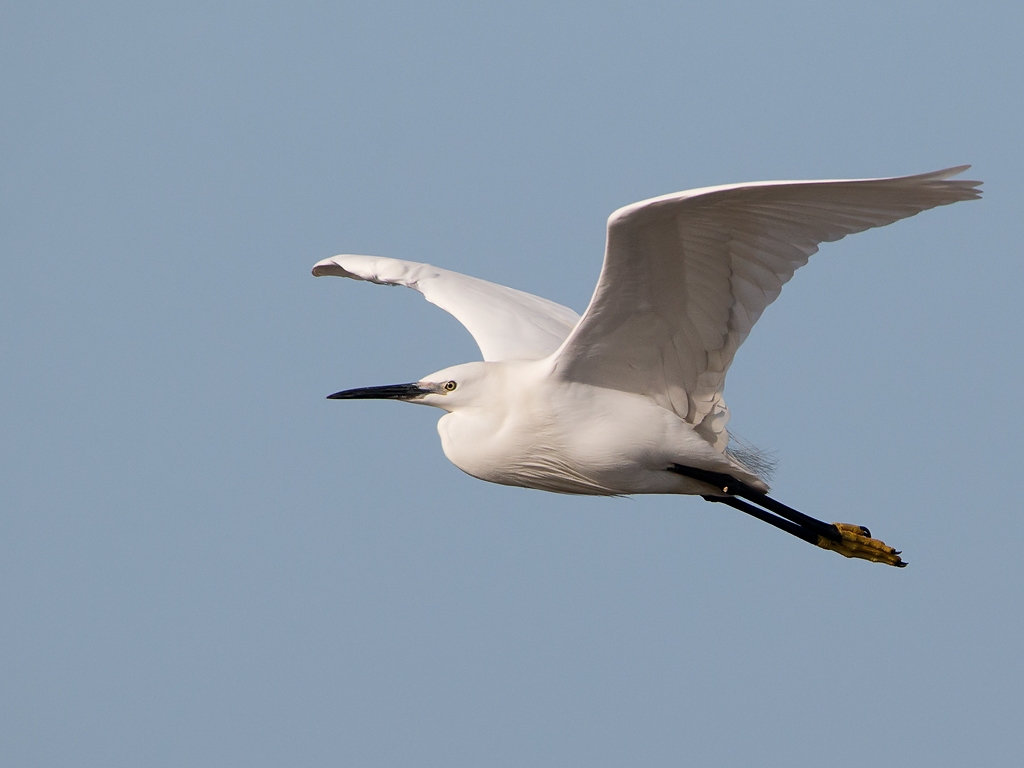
x=865, y=531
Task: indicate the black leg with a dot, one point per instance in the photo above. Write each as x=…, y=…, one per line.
x=784, y=525
x=802, y=526
x=847, y=540
x=828, y=530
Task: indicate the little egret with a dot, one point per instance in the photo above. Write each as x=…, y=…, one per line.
x=628, y=398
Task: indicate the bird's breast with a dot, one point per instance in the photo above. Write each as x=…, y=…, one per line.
x=576, y=444
x=524, y=450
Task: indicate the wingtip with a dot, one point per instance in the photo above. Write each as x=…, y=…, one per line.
x=329, y=267
x=956, y=170
x=958, y=189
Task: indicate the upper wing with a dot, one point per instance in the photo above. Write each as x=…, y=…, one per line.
x=507, y=324
x=687, y=275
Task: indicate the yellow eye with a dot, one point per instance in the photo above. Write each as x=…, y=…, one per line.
x=449, y=386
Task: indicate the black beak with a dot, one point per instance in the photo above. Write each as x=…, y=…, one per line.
x=387, y=392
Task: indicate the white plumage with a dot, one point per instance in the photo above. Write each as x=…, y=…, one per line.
x=507, y=324
x=626, y=397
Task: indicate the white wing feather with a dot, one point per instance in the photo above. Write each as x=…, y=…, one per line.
x=686, y=276
x=505, y=323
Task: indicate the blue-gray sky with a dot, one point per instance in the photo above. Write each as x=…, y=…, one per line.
x=203, y=562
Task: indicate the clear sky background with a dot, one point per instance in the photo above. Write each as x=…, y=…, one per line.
x=203, y=562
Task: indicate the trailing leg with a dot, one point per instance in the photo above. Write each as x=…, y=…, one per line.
x=848, y=540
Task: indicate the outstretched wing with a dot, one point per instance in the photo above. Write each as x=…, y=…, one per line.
x=507, y=324
x=686, y=276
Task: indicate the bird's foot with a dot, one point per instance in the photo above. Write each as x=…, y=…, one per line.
x=857, y=542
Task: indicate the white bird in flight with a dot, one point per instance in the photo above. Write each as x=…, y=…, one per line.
x=628, y=398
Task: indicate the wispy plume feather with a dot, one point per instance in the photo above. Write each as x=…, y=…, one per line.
x=761, y=463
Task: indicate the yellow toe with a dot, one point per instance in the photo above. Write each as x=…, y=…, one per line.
x=857, y=542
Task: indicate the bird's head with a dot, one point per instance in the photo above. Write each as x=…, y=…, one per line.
x=448, y=389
